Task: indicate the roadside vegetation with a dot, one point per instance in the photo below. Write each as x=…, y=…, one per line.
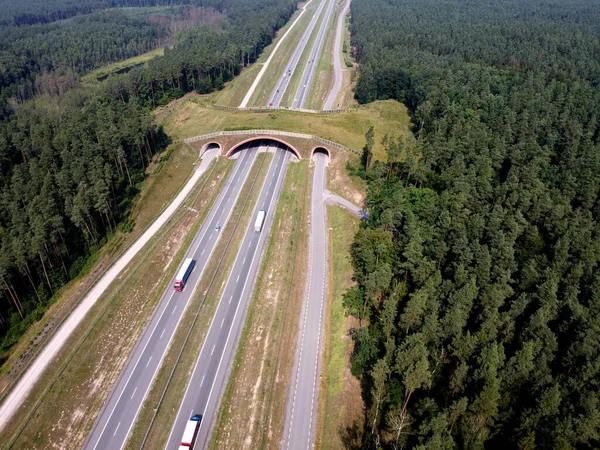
x=341, y=408
x=174, y=374
x=70, y=394
x=324, y=73
x=253, y=404
x=74, y=160
x=477, y=275
x=280, y=60
x=194, y=116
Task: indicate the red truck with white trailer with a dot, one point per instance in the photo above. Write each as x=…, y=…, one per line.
x=190, y=432
x=183, y=274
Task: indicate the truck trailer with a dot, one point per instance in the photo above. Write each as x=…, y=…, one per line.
x=260, y=220
x=183, y=274
x=190, y=432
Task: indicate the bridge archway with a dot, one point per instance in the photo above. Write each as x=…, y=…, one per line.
x=210, y=146
x=239, y=145
x=320, y=149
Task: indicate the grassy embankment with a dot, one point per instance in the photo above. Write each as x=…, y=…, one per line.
x=194, y=116
x=282, y=57
x=324, y=75
x=164, y=180
x=119, y=66
x=212, y=283
x=341, y=415
x=236, y=89
x=70, y=393
x=253, y=404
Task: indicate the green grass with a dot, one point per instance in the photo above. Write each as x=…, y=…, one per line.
x=340, y=401
x=195, y=117
x=252, y=408
x=324, y=75
x=292, y=88
x=207, y=307
x=280, y=60
x=104, y=71
x=70, y=394
x=235, y=90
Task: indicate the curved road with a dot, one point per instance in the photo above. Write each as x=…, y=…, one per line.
x=209, y=377
x=120, y=412
x=337, y=58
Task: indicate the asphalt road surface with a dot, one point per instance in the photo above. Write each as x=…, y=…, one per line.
x=209, y=377
x=301, y=96
x=120, y=411
x=302, y=402
x=19, y=392
x=284, y=80
x=337, y=59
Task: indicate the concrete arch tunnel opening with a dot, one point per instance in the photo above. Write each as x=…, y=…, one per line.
x=210, y=146
x=320, y=151
x=269, y=140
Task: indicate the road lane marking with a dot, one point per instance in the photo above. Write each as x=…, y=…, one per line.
x=117, y=429
x=222, y=322
x=163, y=332
x=149, y=359
x=201, y=383
x=238, y=278
x=134, y=391
x=213, y=350
x=174, y=309
x=231, y=299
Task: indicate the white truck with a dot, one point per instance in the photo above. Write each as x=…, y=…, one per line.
x=190, y=432
x=183, y=274
x=260, y=220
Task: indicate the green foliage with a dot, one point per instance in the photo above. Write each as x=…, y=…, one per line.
x=71, y=165
x=477, y=273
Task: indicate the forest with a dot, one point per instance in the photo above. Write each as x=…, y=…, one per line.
x=73, y=157
x=477, y=274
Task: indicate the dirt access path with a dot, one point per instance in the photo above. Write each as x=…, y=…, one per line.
x=19, y=392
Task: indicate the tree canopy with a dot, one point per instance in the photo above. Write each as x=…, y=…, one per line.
x=477, y=273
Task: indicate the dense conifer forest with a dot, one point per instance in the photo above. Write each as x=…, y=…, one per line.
x=72, y=158
x=478, y=285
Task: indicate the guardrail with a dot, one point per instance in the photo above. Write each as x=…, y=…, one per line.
x=278, y=108
x=270, y=133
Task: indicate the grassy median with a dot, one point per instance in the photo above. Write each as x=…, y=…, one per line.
x=253, y=404
x=341, y=410
x=171, y=382
x=325, y=75
x=280, y=60
x=194, y=116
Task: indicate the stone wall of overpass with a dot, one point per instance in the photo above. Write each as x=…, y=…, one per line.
x=304, y=144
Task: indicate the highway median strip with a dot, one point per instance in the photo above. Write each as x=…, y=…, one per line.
x=252, y=406
x=162, y=403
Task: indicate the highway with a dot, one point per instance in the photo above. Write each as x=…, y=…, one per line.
x=290, y=68
x=210, y=374
x=302, y=402
x=113, y=425
x=303, y=90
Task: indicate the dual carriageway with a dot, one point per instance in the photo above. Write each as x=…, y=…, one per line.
x=209, y=377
